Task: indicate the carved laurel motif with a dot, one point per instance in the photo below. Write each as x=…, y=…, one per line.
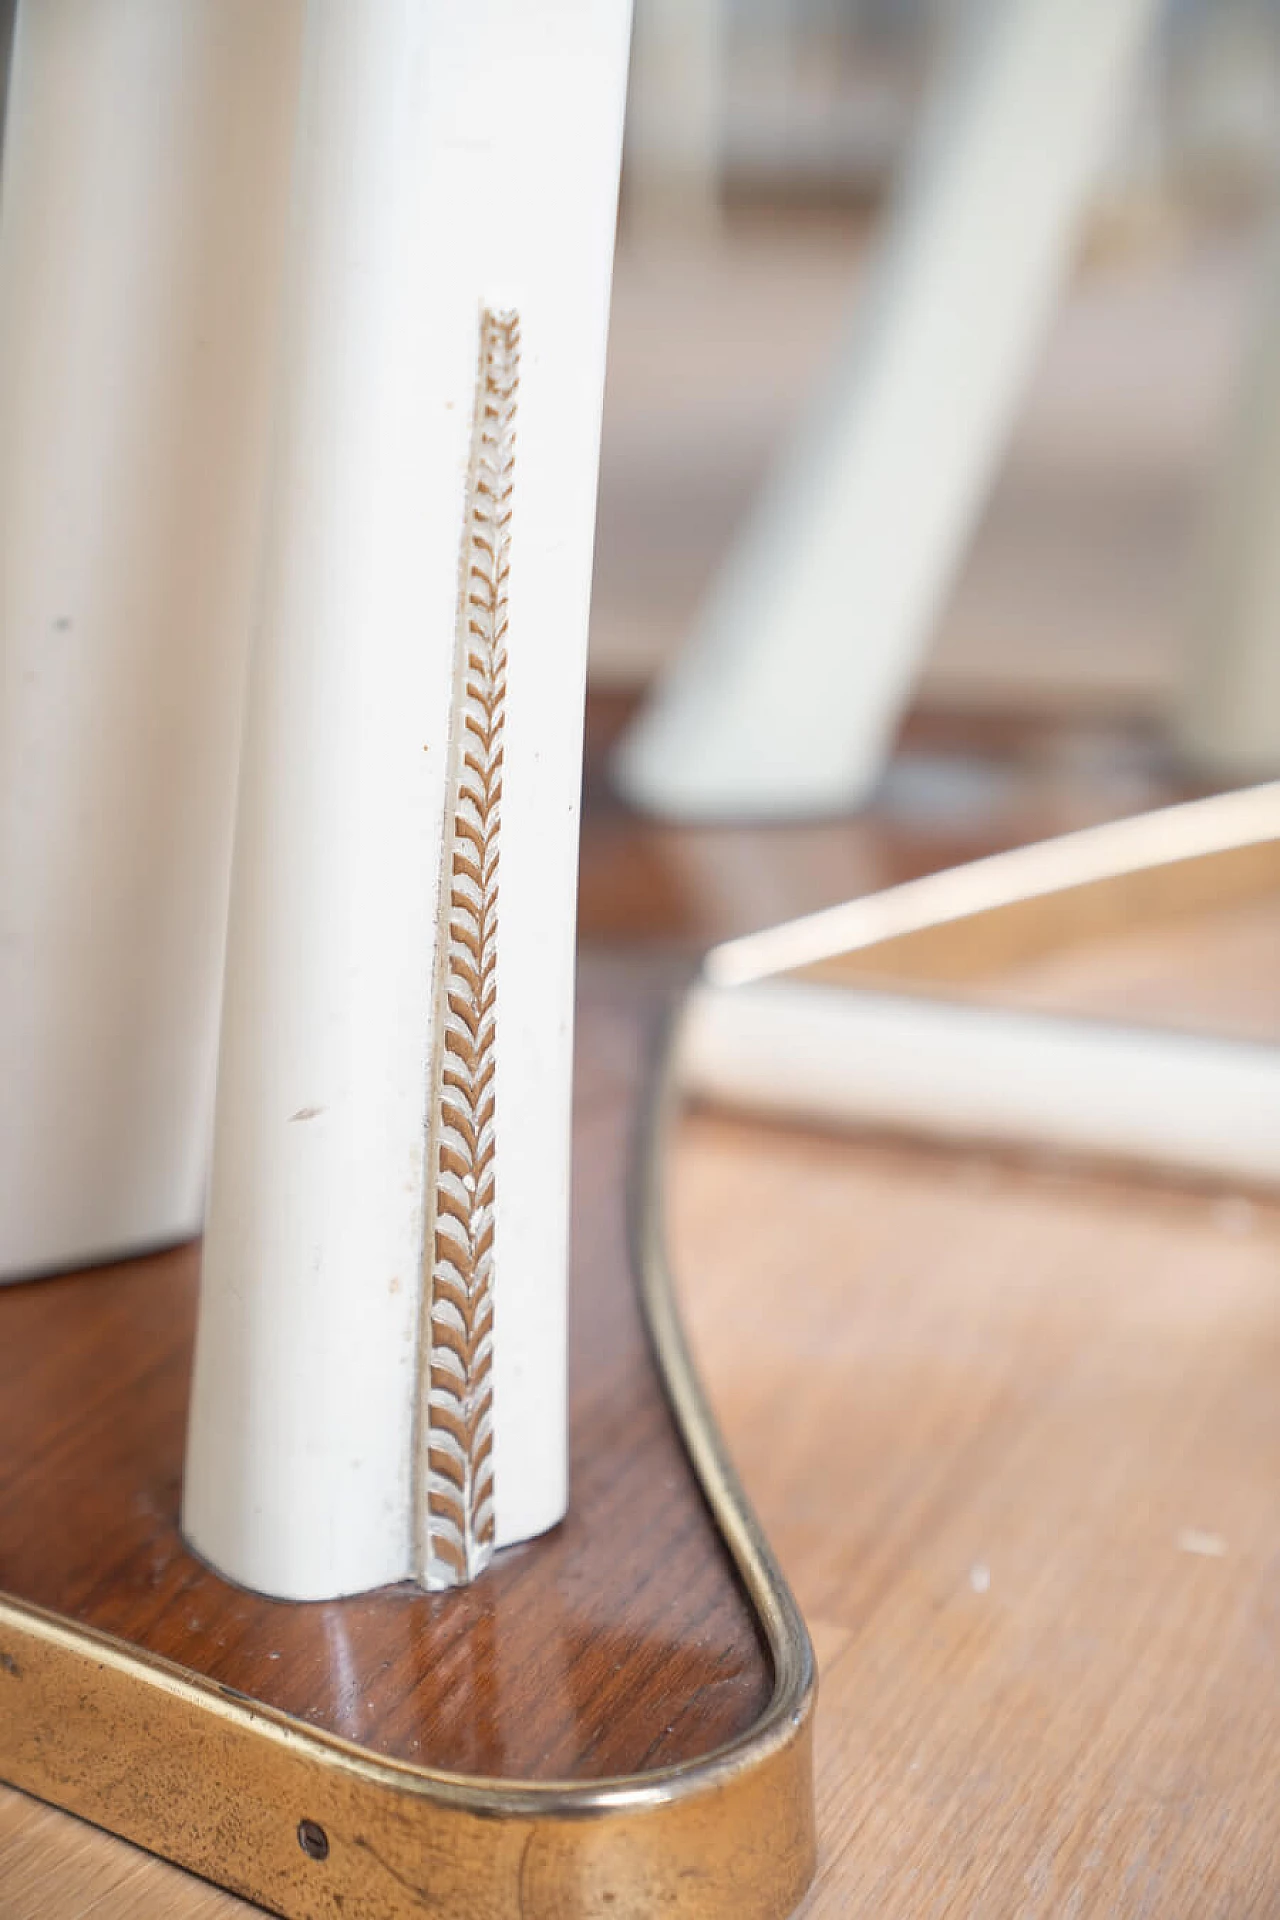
x=456, y=1521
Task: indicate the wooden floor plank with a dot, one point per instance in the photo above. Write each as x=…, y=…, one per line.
x=55, y=1868
x=1014, y=1431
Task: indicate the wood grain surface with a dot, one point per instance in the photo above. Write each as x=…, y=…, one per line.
x=1012, y=1427
x=1015, y=1435
x=617, y=1644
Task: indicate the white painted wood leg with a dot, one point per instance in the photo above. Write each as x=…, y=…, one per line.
x=145, y=175
x=1226, y=719
x=675, y=118
x=380, y=1370
x=786, y=697
x=824, y=1057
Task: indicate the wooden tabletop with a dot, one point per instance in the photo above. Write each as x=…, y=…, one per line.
x=1014, y=1431
x=1016, y=1437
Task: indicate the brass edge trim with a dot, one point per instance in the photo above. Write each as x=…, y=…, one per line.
x=730, y=1833
x=786, y=1636
x=1141, y=843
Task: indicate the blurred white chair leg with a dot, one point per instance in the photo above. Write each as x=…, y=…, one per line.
x=818, y=1055
x=1227, y=716
x=675, y=116
x=787, y=695
x=144, y=186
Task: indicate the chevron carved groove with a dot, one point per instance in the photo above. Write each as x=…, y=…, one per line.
x=456, y=1495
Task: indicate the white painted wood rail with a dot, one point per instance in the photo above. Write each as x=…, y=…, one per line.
x=380, y=1370
x=763, y=1034
x=830, y=1056
x=142, y=208
x=785, y=699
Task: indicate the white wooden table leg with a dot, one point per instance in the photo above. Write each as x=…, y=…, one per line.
x=675, y=118
x=786, y=697
x=379, y=1382
x=145, y=173
x=1227, y=714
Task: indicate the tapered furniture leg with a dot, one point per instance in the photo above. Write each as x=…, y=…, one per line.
x=379, y=1381
x=789, y=690
x=1226, y=719
x=142, y=202
x=675, y=121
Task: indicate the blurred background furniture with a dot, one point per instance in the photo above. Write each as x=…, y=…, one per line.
x=807, y=646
